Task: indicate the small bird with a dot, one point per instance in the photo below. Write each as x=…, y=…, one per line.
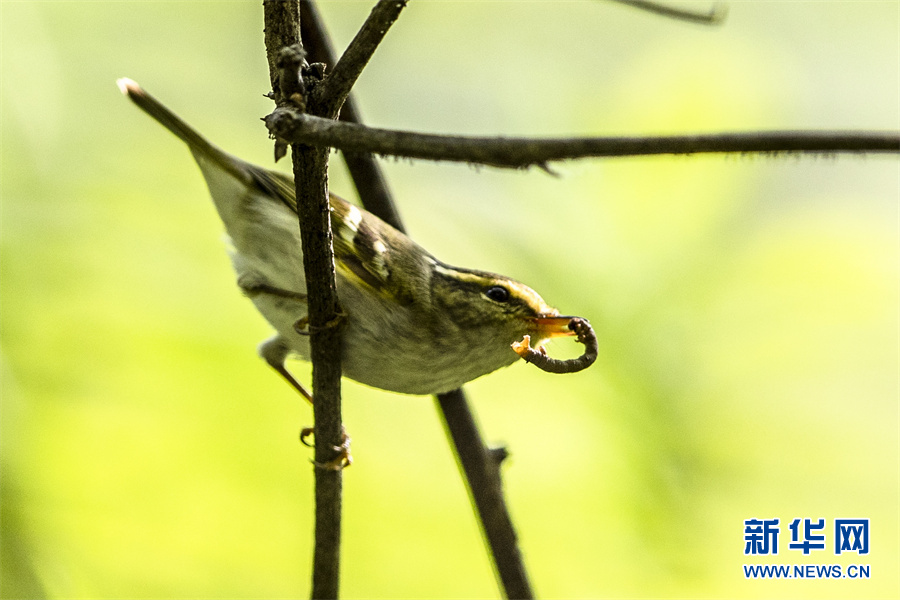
x=413, y=324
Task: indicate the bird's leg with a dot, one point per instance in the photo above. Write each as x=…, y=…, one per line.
x=343, y=458
x=302, y=326
x=253, y=284
x=274, y=351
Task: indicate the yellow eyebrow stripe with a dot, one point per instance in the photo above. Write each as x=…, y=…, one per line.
x=519, y=290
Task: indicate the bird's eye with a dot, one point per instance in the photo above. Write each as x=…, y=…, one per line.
x=497, y=293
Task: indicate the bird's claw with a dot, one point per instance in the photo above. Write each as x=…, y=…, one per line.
x=302, y=326
x=339, y=462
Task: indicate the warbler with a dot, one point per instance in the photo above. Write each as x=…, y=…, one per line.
x=413, y=324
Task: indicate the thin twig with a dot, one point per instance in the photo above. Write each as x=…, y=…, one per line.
x=521, y=153
x=311, y=181
x=336, y=86
x=715, y=15
x=479, y=464
x=367, y=177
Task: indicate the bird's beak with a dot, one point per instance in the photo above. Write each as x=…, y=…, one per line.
x=550, y=326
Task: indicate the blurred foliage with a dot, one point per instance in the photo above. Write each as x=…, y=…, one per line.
x=747, y=307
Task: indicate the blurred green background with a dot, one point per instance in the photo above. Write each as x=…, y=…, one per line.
x=747, y=307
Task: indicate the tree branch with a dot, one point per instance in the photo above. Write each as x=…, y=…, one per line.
x=715, y=15
x=311, y=181
x=521, y=153
x=330, y=95
x=364, y=170
x=480, y=465
x=310, y=176
x=282, y=29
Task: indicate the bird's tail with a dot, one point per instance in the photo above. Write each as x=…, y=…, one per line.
x=199, y=145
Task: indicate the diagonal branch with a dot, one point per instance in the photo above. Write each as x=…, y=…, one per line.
x=714, y=16
x=330, y=95
x=520, y=153
x=364, y=170
x=481, y=467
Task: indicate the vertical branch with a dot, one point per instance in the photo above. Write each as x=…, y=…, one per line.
x=282, y=36
x=480, y=466
x=311, y=177
x=282, y=29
